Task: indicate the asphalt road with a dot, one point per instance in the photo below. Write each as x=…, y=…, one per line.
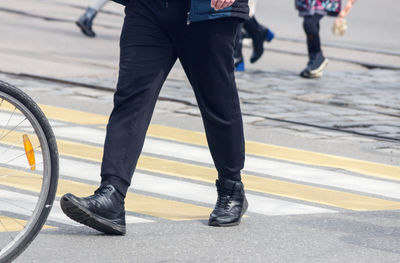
x=316, y=195
x=304, y=207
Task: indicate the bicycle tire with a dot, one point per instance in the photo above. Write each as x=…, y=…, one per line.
x=47, y=140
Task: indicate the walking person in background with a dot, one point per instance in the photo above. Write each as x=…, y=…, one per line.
x=313, y=11
x=155, y=34
x=258, y=34
x=85, y=22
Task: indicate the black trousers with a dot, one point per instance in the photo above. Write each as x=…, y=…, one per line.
x=311, y=28
x=153, y=37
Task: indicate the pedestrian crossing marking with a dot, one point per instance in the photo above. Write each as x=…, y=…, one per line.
x=284, y=153
x=67, y=115
x=255, y=183
x=254, y=148
x=172, y=210
x=15, y=138
x=142, y=204
x=9, y=224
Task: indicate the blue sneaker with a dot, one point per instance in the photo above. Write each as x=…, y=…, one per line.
x=239, y=67
x=269, y=35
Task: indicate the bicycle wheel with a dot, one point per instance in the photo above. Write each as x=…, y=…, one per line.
x=28, y=171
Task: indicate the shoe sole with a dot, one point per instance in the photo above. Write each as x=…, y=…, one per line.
x=311, y=76
x=315, y=72
x=214, y=223
x=84, y=31
x=82, y=215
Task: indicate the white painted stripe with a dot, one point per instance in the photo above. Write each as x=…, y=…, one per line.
x=10, y=155
x=206, y=194
x=284, y=170
x=188, y=191
x=300, y=173
x=15, y=118
x=24, y=204
x=57, y=212
x=81, y=133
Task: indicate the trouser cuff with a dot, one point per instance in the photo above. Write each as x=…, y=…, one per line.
x=118, y=184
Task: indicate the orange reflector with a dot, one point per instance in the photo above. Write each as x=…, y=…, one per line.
x=30, y=153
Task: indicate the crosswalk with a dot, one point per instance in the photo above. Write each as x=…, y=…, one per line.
x=175, y=175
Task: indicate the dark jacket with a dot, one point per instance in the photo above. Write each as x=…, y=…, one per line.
x=201, y=10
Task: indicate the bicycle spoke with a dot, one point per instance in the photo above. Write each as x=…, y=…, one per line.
x=5, y=228
x=26, y=141
x=20, y=156
x=8, y=121
x=2, y=137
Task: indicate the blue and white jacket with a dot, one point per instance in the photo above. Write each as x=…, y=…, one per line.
x=201, y=10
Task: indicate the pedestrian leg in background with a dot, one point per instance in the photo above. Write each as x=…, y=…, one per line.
x=257, y=32
x=238, y=54
x=317, y=62
x=85, y=22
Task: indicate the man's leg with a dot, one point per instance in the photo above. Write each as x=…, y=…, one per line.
x=206, y=53
x=146, y=58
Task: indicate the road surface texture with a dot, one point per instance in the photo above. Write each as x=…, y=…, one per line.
x=322, y=170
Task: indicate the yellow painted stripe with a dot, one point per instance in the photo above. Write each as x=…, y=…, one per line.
x=67, y=115
x=325, y=160
x=254, y=148
x=9, y=224
x=137, y=203
x=15, y=138
x=285, y=153
x=264, y=185
x=254, y=183
x=272, y=186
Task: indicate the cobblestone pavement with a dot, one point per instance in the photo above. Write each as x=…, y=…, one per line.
x=335, y=107
x=363, y=102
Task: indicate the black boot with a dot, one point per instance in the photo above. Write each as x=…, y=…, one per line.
x=231, y=204
x=257, y=34
x=237, y=54
x=103, y=211
x=85, y=22
x=269, y=35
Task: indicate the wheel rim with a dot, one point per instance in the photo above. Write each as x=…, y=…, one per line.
x=20, y=227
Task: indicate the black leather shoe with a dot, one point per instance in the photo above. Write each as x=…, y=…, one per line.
x=231, y=204
x=85, y=22
x=103, y=211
